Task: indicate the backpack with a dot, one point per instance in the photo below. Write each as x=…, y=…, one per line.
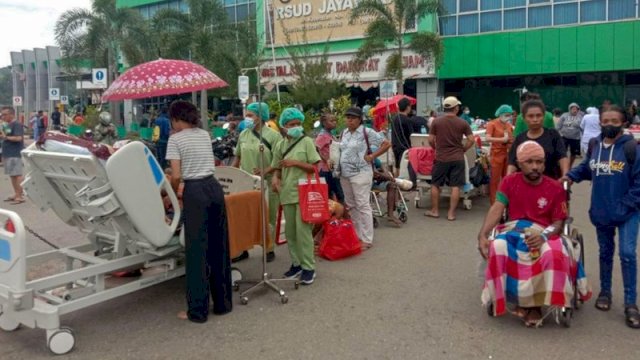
x=629, y=150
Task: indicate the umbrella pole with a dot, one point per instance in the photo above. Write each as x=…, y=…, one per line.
x=266, y=281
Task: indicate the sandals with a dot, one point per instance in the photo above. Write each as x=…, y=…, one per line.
x=603, y=302
x=632, y=316
x=533, y=318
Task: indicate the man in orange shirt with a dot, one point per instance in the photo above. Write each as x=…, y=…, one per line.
x=500, y=135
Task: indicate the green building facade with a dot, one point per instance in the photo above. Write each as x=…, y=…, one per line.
x=568, y=51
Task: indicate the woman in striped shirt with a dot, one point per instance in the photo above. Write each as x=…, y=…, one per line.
x=208, y=267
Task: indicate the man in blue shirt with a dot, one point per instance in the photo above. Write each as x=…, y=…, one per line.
x=163, y=123
x=12, y=145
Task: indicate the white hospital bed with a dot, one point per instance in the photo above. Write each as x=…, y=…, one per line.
x=118, y=205
x=424, y=181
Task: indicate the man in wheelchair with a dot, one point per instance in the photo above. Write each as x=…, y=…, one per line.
x=384, y=181
x=528, y=265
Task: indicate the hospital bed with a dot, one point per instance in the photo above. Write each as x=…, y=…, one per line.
x=118, y=205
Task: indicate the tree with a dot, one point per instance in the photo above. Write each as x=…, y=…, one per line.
x=101, y=34
x=205, y=36
x=312, y=87
x=388, y=28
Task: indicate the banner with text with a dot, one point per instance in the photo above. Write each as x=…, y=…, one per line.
x=322, y=20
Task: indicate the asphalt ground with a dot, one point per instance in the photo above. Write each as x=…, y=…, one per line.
x=415, y=295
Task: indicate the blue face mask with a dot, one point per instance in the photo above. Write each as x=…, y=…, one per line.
x=295, y=132
x=248, y=123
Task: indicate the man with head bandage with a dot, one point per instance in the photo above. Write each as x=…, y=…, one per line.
x=528, y=249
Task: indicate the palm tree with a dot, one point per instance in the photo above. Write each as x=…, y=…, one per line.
x=388, y=29
x=101, y=34
x=204, y=35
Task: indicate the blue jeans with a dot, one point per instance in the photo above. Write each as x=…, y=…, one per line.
x=628, y=239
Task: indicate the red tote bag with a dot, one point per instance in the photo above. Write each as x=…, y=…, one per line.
x=339, y=240
x=314, y=199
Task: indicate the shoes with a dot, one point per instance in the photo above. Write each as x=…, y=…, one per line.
x=307, y=277
x=294, y=271
x=271, y=255
x=243, y=256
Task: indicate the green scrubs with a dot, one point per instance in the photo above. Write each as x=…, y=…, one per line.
x=298, y=232
x=248, y=149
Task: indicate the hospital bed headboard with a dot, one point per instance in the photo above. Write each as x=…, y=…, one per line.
x=137, y=181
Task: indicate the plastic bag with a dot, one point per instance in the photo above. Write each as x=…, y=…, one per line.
x=314, y=199
x=339, y=240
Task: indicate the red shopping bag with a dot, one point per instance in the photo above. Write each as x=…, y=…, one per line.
x=314, y=199
x=339, y=240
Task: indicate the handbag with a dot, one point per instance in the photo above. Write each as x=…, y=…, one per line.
x=314, y=199
x=339, y=240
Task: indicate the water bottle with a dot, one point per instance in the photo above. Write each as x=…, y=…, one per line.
x=423, y=130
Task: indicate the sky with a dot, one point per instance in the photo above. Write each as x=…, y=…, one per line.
x=27, y=24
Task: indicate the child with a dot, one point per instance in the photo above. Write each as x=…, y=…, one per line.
x=293, y=159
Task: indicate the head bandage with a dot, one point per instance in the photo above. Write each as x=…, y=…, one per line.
x=529, y=150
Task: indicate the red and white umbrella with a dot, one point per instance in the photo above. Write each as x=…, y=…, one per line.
x=390, y=105
x=161, y=77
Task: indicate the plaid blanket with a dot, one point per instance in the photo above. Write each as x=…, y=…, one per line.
x=513, y=276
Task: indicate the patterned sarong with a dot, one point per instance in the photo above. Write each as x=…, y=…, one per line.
x=513, y=277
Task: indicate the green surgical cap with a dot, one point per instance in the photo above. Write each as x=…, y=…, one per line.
x=290, y=114
x=504, y=109
x=261, y=109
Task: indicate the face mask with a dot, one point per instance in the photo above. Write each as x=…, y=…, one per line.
x=295, y=132
x=505, y=119
x=248, y=123
x=611, y=131
x=467, y=112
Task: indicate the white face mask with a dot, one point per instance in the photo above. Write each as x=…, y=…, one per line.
x=467, y=112
x=505, y=119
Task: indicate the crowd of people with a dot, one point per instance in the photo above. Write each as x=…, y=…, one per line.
x=531, y=157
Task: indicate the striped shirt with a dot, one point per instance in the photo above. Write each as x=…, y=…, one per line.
x=193, y=148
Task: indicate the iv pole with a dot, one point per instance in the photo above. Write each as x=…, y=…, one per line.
x=266, y=281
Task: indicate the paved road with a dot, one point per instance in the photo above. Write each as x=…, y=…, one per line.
x=415, y=295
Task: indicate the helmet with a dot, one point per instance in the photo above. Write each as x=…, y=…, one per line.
x=105, y=118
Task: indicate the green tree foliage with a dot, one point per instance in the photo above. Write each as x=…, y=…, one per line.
x=205, y=36
x=312, y=87
x=389, y=28
x=101, y=33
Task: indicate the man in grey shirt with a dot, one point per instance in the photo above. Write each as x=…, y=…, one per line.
x=569, y=128
x=13, y=143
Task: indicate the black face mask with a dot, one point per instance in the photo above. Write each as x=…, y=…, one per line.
x=611, y=131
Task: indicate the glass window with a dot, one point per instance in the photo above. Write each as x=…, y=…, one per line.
x=565, y=14
x=490, y=4
x=144, y=11
x=539, y=16
x=448, y=25
x=450, y=6
x=468, y=5
x=595, y=10
x=153, y=9
x=229, y=2
x=242, y=12
x=514, y=3
x=515, y=19
x=491, y=21
x=184, y=7
x=468, y=24
x=252, y=10
x=231, y=13
x=532, y=2
x=622, y=9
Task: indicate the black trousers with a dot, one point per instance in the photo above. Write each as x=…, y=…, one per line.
x=208, y=267
x=334, y=185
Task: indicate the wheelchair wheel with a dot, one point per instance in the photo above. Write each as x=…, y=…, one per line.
x=403, y=217
x=565, y=317
x=376, y=223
